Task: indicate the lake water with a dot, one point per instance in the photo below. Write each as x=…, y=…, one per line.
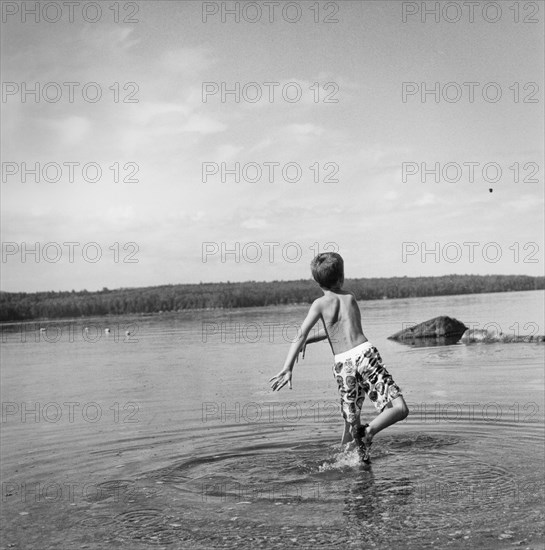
x=169, y=437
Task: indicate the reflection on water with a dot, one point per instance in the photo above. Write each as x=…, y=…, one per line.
x=191, y=449
x=439, y=496
x=430, y=342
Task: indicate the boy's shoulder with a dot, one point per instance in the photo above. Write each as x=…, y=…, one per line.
x=322, y=303
x=326, y=300
x=335, y=296
x=319, y=302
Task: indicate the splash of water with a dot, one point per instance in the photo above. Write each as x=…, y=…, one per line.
x=346, y=458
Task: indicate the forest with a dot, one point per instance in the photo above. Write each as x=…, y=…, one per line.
x=20, y=306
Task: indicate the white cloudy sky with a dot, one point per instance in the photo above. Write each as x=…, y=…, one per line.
x=369, y=213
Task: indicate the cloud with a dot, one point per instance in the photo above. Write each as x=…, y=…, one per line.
x=391, y=196
x=187, y=61
x=202, y=124
x=254, y=223
x=426, y=200
x=151, y=128
x=306, y=129
x=227, y=151
x=198, y=216
x=262, y=144
x=119, y=215
x=526, y=203
x=149, y=111
x=72, y=129
x=116, y=38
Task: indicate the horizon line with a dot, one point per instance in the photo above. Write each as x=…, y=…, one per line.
x=268, y=282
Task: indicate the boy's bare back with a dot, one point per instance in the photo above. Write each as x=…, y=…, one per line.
x=342, y=320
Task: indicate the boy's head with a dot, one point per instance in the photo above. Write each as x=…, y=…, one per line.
x=328, y=269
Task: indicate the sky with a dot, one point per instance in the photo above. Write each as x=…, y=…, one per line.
x=183, y=142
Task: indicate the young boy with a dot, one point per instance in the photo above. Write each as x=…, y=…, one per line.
x=358, y=366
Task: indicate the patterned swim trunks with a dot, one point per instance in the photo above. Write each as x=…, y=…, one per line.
x=360, y=371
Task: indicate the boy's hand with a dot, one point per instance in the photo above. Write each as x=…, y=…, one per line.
x=280, y=380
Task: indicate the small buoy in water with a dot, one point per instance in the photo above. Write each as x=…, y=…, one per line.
x=107, y=330
x=42, y=330
x=490, y=189
x=127, y=333
x=86, y=329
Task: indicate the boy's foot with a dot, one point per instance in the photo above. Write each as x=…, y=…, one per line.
x=365, y=441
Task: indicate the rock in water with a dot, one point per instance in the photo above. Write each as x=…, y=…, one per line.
x=472, y=336
x=443, y=328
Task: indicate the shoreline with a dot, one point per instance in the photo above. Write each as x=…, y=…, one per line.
x=140, y=315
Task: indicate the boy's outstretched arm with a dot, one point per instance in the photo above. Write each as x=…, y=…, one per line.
x=284, y=376
x=318, y=336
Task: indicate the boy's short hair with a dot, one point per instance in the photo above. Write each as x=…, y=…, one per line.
x=327, y=269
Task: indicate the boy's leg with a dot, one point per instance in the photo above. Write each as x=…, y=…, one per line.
x=350, y=390
x=351, y=432
x=347, y=434
x=393, y=412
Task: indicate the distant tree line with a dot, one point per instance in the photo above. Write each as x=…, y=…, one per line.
x=19, y=306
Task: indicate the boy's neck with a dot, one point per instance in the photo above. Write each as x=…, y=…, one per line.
x=335, y=289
